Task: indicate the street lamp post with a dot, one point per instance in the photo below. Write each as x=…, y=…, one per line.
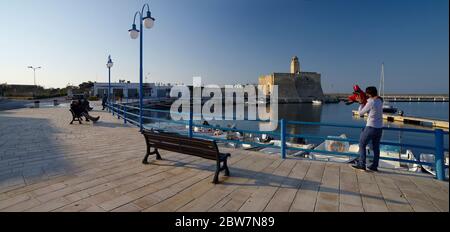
x=34, y=76
x=147, y=21
x=34, y=72
x=109, y=65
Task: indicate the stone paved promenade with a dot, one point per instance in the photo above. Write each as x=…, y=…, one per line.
x=48, y=165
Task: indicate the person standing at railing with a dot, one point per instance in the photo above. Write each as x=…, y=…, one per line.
x=104, y=100
x=373, y=130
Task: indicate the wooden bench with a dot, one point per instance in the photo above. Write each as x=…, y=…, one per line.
x=75, y=117
x=181, y=144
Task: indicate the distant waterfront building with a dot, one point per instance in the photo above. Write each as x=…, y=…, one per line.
x=131, y=90
x=7, y=90
x=296, y=86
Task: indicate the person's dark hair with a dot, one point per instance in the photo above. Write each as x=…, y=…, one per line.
x=372, y=91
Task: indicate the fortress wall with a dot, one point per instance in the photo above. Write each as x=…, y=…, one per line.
x=287, y=90
x=309, y=86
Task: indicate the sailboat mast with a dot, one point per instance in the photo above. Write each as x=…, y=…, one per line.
x=382, y=88
x=381, y=82
x=386, y=108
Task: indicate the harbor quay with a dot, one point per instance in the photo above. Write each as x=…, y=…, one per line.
x=47, y=164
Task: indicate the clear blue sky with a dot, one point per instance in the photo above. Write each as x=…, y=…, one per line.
x=230, y=41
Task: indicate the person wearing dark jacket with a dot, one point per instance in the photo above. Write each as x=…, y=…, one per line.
x=86, y=105
x=104, y=100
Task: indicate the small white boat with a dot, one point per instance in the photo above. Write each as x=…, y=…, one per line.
x=294, y=145
x=232, y=137
x=389, y=109
x=276, y=151
x=332, y=146
x=263, y=139
x=410, y=166
x=263, y=101
x=317, y=102
x=429, y=158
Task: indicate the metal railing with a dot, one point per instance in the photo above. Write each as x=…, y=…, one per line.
x=124, y=111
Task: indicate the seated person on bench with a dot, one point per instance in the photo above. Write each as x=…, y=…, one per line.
x=80, y=109
x=85, y=103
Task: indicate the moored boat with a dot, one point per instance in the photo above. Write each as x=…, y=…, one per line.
x=317, y=102
x=291, y=153
x=331, y=145
x=389, y=109
x=429, y=158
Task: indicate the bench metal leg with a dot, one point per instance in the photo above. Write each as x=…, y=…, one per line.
x=145, y=161
x=225, y=166
x=216, y=175
x=158, y=156
x=155, y=152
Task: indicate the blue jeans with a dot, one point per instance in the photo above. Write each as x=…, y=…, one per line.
x=374, y=135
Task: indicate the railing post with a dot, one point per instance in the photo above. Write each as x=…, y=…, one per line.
x=118, y=111
x=141, y=112
x=124, y=114
x=112, y=108
x=283, y=138
x=191, y=122
x=439, y=154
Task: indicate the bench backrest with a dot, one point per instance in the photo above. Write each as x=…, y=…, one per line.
x=177, y=143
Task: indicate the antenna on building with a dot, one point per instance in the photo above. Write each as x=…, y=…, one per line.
x=146, y=77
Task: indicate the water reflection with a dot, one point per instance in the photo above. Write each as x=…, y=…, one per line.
x=300, y=112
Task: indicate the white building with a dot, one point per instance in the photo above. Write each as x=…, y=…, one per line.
x=131, y=90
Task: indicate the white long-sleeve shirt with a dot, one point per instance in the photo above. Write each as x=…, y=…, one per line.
x=374, y=108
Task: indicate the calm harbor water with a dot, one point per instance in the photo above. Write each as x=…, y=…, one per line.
x=342, y=114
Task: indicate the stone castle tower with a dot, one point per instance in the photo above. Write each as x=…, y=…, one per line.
x=295, y=65
x=295, y=86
